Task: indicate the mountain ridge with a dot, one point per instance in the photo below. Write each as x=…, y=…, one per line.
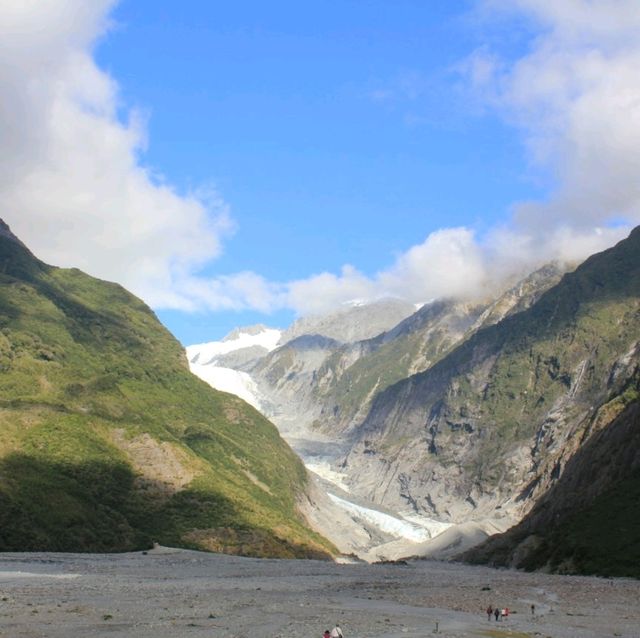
x=470, y=413
x=530, y=375
x=101, y=418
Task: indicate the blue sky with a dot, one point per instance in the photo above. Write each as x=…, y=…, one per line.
x=246, y=163
x=337, y=132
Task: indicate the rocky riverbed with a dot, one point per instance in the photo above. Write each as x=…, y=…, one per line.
x=169, y=593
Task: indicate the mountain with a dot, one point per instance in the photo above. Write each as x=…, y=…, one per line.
x=354, y=321
x=318, y=388
x=320, y=384
x=108, y=442
x=491, y=427
x=358, y=373
x=274, y=370
x=588, y=521
x=519, y=411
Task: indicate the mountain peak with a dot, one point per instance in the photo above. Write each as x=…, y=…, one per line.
x=251, y=331
x=5, y=231
x=353, y=321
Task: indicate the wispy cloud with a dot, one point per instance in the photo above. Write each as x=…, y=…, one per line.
x=407, y=85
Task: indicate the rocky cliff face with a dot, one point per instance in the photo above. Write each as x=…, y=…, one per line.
x=587, y=522
x=489, y=428
x=288, y=377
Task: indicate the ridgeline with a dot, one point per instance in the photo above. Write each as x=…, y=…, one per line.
x=109, y=443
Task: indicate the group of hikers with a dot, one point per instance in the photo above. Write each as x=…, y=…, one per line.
x=498, y=613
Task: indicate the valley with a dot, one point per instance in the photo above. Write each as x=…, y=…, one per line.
x=457, y=420
x=317, y=387
x=496, y=428
x=166, y=592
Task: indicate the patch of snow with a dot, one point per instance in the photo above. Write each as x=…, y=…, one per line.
x=205, y=353
x=418, y=529
x=323, y=469
x=228, y=380
x=417, y=306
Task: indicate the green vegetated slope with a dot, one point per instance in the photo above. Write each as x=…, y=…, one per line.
x=507, y=377
x=414, y=345
x=382, y=361
x=500, y=415
x=107, y=442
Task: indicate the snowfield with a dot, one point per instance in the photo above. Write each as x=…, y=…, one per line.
x=202, y=362
x=206, y=353
x=232, y=381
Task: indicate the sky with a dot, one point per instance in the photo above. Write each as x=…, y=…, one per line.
x=252, y=162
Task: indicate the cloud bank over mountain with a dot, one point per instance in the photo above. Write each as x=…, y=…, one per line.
x=74, y=185
x=575, y=97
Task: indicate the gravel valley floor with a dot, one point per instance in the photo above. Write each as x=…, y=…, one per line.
x=181, y=594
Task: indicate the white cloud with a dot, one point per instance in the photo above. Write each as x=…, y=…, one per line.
x=326, y=291
x=71, y=182
x=575, y=96
x=73, y=187
x=448, y=263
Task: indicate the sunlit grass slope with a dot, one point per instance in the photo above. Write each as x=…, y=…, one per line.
x=108, y=442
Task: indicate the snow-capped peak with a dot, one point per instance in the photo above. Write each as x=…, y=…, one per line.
x=261, y=336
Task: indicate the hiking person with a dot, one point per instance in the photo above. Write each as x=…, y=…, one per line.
x=533, y=610
x=496, y=613
x=326, y=634
x=336, y=632
x=489, y=612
